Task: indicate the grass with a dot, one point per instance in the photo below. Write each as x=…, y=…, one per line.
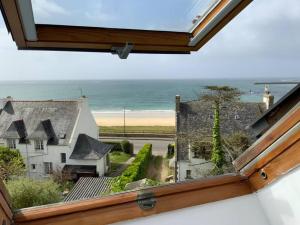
x=138, y=129
x=118, y=157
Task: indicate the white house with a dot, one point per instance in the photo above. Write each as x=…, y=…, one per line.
x=54, y=135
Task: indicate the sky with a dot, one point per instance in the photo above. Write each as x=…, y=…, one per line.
x=262, y=42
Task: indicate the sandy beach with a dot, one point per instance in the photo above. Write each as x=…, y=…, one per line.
x=136, y=118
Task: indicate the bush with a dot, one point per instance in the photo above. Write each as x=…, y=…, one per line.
x=11, y=163
x=127, y=147
x=136, y=171
x=26, y=192
x=171, y=150
x=117, y=146
x=123, y=146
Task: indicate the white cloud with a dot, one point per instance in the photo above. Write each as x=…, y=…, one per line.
x=47, y=8
x=98, y=14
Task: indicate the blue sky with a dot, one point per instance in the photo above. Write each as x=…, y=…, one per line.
x=263, y=41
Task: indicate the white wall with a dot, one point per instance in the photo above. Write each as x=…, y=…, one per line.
x=85, y=123
x=198, y=167
x=281, y=200
x=244, y=210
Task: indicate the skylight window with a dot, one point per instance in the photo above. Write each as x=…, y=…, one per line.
x=167, y=15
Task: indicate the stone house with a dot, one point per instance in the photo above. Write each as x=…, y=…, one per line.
x=194, y=121
x=54, y=135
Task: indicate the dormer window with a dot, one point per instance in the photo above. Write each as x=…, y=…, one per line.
x=38, y=145
x=11, y=143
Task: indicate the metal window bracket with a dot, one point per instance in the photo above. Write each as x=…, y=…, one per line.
x=122, y=52
x=146, y=200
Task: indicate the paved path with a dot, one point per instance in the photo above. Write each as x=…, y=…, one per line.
x=159, y=145
x=119, y=171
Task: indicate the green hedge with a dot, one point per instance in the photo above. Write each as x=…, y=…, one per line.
x=136, y=171
x=123, y=146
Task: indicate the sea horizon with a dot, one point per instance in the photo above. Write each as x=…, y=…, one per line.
x=134, y=95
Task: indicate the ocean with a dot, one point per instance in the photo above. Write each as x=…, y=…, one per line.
x=115, y=95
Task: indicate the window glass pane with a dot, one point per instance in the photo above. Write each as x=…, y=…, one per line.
x=171, y=15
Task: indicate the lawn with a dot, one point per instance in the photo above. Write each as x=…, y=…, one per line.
x=138, y=129
x=118, y=157
x=117, y=160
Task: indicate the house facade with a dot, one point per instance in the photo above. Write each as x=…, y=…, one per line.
x=194, y=121
x=54, y=136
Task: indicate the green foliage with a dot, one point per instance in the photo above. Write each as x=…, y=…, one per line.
x=117, y=145
x=136, y=171
x=26, y=192
x=123, y=146
x=219, y=95
x=127, y=147
x=171, y=151
x=118, y=157
x=237, y=143
x=11, y=163
x=217, y=155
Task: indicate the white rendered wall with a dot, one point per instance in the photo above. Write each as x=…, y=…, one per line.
x=244, y=210
x=85, y=123
x=281, y=200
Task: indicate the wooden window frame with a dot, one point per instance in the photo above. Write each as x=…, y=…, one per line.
x=91, y=39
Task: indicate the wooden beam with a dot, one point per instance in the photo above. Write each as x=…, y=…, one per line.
x=220, y=25
x=74, y=34
x=115, y=208
x=95, y=47
x=13, y=19
x=269, y=138
x=278, y=167
x=284, y=143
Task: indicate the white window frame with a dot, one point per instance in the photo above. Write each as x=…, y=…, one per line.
x=12, y=143
x=38, y=144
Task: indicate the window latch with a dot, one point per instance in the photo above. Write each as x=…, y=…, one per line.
x=122, y=52
x=146, y=200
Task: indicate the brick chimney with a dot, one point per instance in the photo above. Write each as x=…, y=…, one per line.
x=268, y=98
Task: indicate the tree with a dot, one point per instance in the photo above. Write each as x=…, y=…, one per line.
x=218, y=95
x=11, y=163
x=26, y=192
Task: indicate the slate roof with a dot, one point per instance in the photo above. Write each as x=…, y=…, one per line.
x=41, y=119
x=87, y=147
x=196, y=118
x=89, y=187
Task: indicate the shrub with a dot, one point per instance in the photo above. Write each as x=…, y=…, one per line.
x=171, y=150
x=136, y=171
x=11, y=163
x=127, y=147
x=123, y=146
x=26, y=192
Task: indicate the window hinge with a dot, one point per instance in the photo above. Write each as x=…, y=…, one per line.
x=146, y=200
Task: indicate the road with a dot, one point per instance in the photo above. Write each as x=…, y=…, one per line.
x=159, y=145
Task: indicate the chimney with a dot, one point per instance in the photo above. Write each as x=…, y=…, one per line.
x=268, y=98
x=177, y=103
